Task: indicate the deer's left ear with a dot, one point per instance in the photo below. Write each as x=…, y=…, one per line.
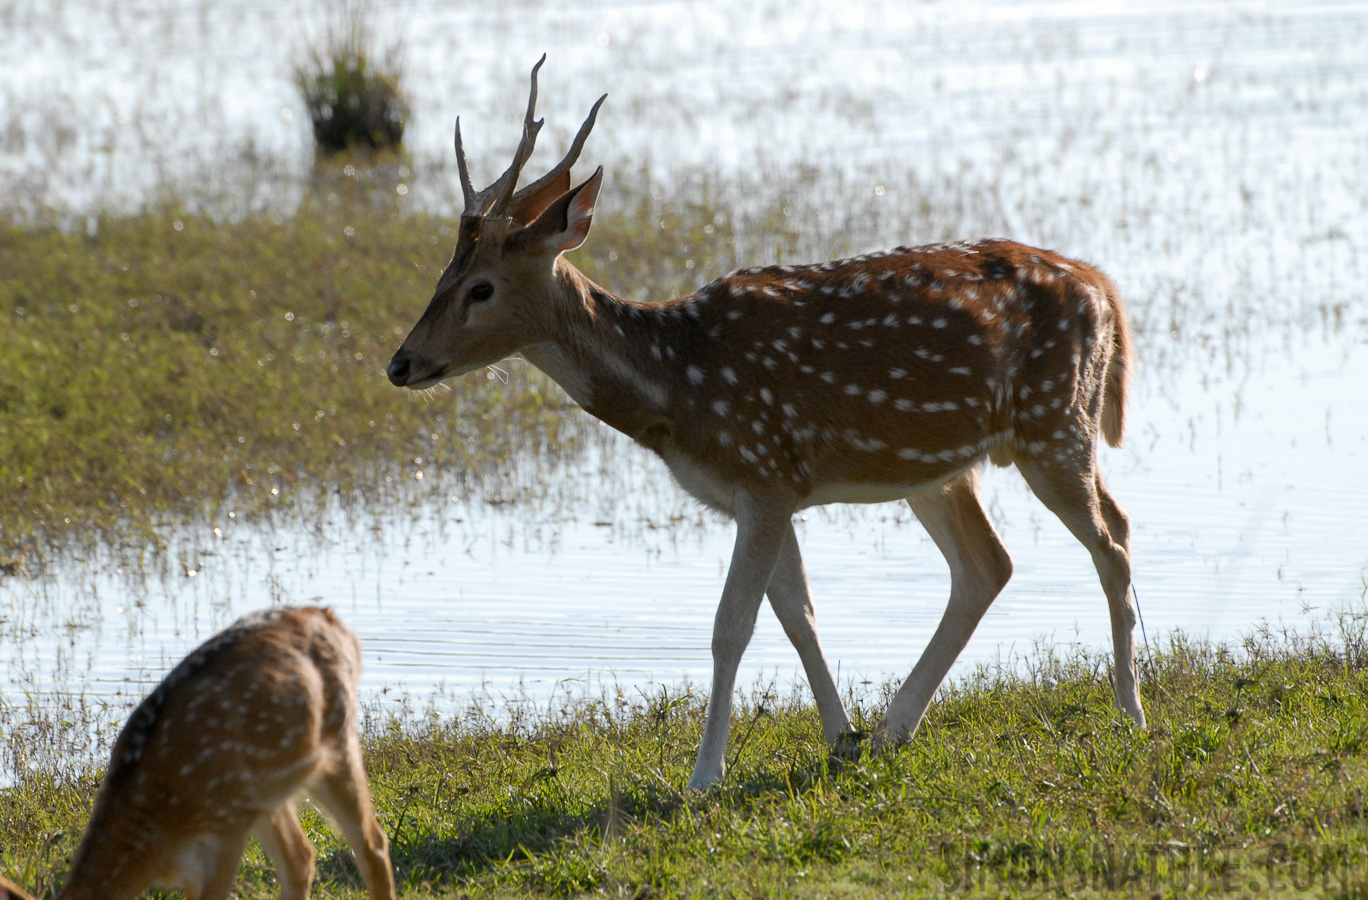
x=565, y=223
x=528, y=208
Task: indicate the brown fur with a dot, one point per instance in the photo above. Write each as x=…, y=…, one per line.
x=219, y=750
x=1118, y=371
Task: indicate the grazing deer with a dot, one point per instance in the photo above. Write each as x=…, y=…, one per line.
x=887, y=376
x=261, y=711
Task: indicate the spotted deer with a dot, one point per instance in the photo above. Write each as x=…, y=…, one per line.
x=220, y=749
x=887, y=376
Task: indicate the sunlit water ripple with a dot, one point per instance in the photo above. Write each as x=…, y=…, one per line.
x=1240, y=491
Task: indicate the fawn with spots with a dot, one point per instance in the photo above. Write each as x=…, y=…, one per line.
x=258, y=713
x=887, y=376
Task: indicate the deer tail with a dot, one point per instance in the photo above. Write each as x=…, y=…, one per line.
x=1118, y=371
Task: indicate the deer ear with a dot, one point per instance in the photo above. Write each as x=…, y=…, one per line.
x=528, y=208
x=565, y=223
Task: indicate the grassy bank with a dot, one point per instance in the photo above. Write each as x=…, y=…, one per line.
x=1250, y=781
x=169, y=367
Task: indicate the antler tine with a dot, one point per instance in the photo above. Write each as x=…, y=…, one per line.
x=493, y=200
x=570, y=157
x=502, y=190
x=467, y=189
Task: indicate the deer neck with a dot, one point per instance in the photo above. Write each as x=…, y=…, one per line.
x=612, y=356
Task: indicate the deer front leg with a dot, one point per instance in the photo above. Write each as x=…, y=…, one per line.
x=212, y=867
x=762, y=524
x=791, y=598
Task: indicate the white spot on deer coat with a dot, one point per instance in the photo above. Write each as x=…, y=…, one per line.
x=856, y=440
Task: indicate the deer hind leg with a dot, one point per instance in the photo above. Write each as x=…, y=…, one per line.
x=791, y=599
x=1081, y=501
x=979, y=569
x=343, y=794
x=282, y=837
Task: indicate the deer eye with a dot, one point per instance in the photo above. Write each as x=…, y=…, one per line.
x=481, y=290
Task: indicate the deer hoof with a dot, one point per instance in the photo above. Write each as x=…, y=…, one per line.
x=848, y=745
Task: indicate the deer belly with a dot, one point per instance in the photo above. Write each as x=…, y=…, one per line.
x=872, y=492
x=704, y=485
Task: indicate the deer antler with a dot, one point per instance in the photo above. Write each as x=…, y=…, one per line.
x=570, y=157
x=495, y=199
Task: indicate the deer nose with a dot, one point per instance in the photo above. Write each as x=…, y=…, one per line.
x=398, y=370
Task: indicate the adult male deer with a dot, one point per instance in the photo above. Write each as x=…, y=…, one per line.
x=258, y=713
x=886, y=376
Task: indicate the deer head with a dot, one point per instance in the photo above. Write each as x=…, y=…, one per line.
x=496, y=292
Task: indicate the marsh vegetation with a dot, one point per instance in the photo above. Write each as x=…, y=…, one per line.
x=195, y=317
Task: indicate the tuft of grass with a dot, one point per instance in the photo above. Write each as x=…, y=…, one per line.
x=350, y=86
x=1022, y=782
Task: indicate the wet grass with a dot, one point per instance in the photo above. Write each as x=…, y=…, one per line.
x=221, y=349
x=169, y=367
x=177, y=367
x=1250, y=780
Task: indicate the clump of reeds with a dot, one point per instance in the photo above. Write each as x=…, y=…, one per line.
x=350, y=85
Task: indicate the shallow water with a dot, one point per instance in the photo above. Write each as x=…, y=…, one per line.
x=1241, y=493
x=1208, y=157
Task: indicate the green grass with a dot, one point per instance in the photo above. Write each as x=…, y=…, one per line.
x=169, y=367
x=1251, y=780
